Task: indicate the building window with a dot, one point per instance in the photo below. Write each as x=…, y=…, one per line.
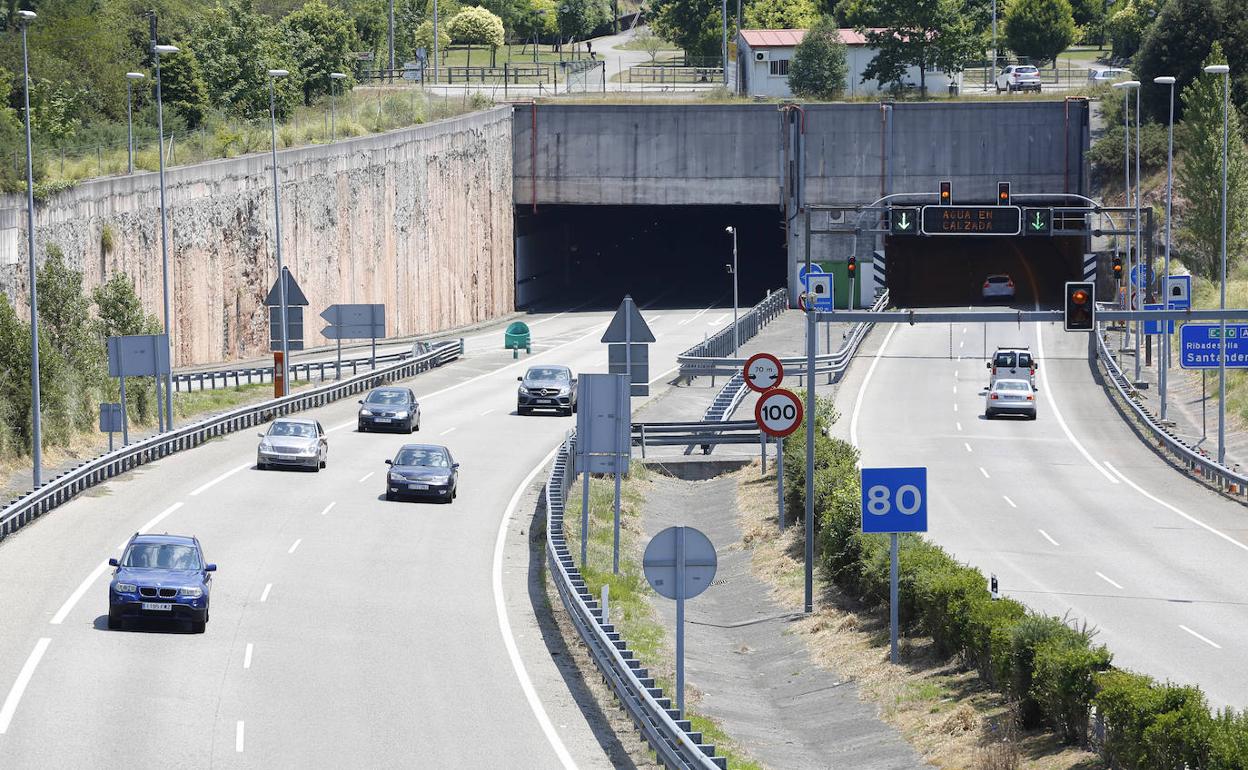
x=780, y=67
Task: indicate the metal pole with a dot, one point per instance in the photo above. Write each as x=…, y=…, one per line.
x=680, y=620
x=164, y=239
x=762, y=440
x=628, y=346
x=736, y=342
x=338, y=368
x=36, y=421
x=606, y=604
x=811, y=337
x=125, y=410
x=1226, y=116
x=333, y=112
x=1126, y=192
x=993, y=69
x=615, y=554
x=1164, y=379
x=390, y=35
x=435, y=42
x=129, y=137
x=724, y=42
x=780, y=481
x=1140, y=266
x=277, y=234
x=585, y=513
x=892, y=596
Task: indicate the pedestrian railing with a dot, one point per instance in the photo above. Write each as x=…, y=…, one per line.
x=211, y=379
x=748, y=326
x=66, y=486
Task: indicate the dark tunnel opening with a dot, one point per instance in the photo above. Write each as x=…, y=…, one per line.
x=947, y=271
x=664, y=256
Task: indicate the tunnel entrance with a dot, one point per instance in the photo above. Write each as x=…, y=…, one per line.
x=664, y=256
x=951, y=270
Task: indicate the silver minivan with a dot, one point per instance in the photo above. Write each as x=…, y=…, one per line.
x=1010, y=363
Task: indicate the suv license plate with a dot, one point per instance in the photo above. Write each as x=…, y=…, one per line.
x=543, y=401
x=157, y=607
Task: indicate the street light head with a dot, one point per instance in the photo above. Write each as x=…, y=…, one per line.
x=337, y=75
x=1164, y=80
x=27, y=16
x=166, y=49
x=730, y=229
x=278, y=73
x=1128, y=84
x=1218, y=69
x=135, y=76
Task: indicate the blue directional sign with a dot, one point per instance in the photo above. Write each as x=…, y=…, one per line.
x=894, y=499
x=1153, y=326
x=819, y=290
x=1179, y=292
x=1139, y=276
x=1199, y=346
x=815, y=267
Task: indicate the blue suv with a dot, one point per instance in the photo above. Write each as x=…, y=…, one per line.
x=162, y=577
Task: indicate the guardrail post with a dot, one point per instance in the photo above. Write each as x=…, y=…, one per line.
x=606, y=596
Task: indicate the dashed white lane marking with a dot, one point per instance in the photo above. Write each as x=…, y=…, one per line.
x=1047, y=537
x=1009, y=501
x=656, y=319
x=264, y=595
x=238, y=737
x=1204, y=639
x=964, y=330
x=295, y=545
x=717, y=321
x=955, y=390
x=968, y=446
x=1164, y=504
x=487, y=411
x=366, y=477
x=221, y=478
x=955, y=406
x=958, y=424
x=19, y=685
x=504, y=625
x=247, y=656
x=448, y=430
x=1109, y=580
x=82, y=588
x=961, y=344
x=694, y=317
x=329, y=507
x=158, y=518
x=985, y=472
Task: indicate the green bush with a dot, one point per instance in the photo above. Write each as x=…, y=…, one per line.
x=991, y=630
x=1062, y=682
x=1029, y=635
x=1130, y=704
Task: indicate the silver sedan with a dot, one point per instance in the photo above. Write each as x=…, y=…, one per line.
x=294, y=442
x=1010, y=397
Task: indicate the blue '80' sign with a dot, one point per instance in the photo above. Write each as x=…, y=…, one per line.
x=894, y=499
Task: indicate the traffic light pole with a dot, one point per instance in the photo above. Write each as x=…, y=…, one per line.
x=913, y=317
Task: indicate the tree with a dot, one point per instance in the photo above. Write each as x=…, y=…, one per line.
x=1126, y=26
x=1199, y=176
x=120, y=311
x=692, y=25
x=1175, y=45
x=320, y=37
x=579, y=18
x=476, y=26
x=781, y=14
x=928, y=34
x=1039, y=29
x=1233, y=21
x=650, y=42
x=819, y=69
x=182, y=86
x=236, y=47
x=424, y=37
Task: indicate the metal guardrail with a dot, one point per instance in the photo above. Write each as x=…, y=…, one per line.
x=749, y=325
x=66, y=486
x=661, y=726
x=1199, y=464
x=247, y=375
x=694, y=362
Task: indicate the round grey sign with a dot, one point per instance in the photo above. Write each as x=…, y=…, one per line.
x=671, y=547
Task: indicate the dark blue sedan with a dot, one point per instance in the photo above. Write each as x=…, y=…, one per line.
x=161, y=577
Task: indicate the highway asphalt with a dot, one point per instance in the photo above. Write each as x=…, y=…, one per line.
x=1072, y=512
x=345, y=631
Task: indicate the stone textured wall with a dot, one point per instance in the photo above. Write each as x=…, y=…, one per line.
x=419, y=219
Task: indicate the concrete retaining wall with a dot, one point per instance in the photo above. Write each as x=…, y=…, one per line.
x=419, y=219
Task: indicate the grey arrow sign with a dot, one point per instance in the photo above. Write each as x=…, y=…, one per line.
x=354, y=332
x=354, y=322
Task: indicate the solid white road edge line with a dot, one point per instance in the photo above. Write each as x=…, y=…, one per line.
x=82, y=588
x=19, y=685
x=487, y=411
x=264, y=595
x=1047, y=537
x=238, y=737
x=504, y=626
x=1164, y=504
x=295, y=545
x=329, y=507
x=1057, y=413
x=221, y=478
x=1204, y=639
x=448, y=430
x=1107, y=579
x=247, y=656
x=862, y=389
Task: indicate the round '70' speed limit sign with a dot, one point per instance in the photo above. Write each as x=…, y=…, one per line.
x=778, y=412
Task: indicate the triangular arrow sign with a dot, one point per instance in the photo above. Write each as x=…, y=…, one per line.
x=637, y=329
x=294, y=295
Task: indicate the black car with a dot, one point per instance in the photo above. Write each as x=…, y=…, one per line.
x=423, y=470
x=390, y=408
x=546, y=387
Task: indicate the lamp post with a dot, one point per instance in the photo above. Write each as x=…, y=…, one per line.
x=993, y=71
x=157, y=50
x=130, y=78
x=1132, y=259
x=736, y=343
x=1225, y=72
x=1164, y=375
x=435, y=42
x=277, y=227
x=333, y=104
x=724, y=49
x=36, y=421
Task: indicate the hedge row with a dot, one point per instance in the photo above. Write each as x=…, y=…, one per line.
x=1049, y=666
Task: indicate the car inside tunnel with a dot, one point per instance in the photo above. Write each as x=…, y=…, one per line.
x=664, y=256
x=952, y=270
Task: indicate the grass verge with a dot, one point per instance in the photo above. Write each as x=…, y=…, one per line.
x=630, y=594
x=944, y=709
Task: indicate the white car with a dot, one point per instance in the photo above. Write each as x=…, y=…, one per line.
x=1010, y=397
x=1012, y=364
x=999, y=286
x=1107, y=76
x=1019, y=77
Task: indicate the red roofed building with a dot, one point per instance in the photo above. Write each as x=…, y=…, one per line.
x=764, y=55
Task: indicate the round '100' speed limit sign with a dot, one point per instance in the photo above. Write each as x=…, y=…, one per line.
x=778, y=412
